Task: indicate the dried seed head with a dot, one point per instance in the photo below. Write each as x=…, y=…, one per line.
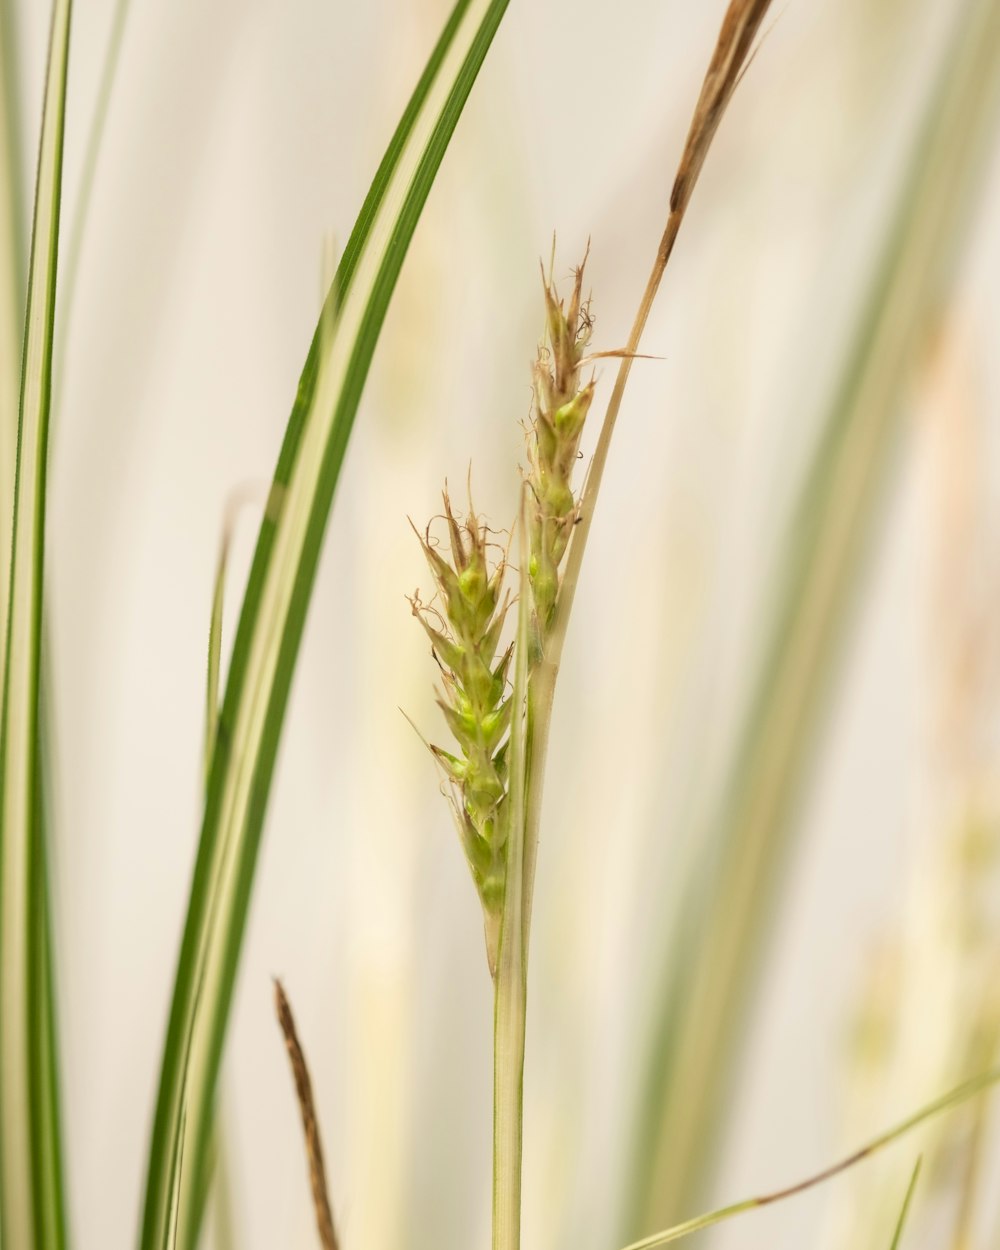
x=465, y=634
x=561, y=403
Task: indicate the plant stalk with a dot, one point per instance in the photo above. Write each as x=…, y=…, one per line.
x=510, y=999
x=739, y=28
x=534, y=693
x=729, y=60
x=510, y=981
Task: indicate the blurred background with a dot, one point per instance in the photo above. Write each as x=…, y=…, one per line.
x=240, y=138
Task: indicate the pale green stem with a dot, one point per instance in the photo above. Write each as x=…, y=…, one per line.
x=29, y=1152
x=510, y=983
x=49, y=1200
x=11, y=296
x=716, y=93
x=508, y=1097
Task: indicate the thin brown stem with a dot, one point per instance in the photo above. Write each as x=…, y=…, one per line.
x=310, y=1124
x=732, y=50
x=729, y=60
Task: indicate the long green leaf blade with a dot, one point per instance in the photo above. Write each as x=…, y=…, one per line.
x=897, y=1236
x=11, y=297
x=49, y=1197
x=712, y=953
x=49, y=1188
x=31, y=1213
x=84, y=196
x=278, y=593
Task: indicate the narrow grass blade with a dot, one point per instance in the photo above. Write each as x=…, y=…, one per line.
x=12, y=294
x=947, y=1102
x=49, y=1188
x=214, y=668
x=85, y=191
x=897, y=1236
x=278, y=593
x=200, y=1185
x=711, y=955
x=29, y=1154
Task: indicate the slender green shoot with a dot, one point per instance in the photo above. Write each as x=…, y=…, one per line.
x=897, y=1236
x=30, y=1172
x=49, y=1198
x=947, y=1102
x=237, y=501
x=85, y=190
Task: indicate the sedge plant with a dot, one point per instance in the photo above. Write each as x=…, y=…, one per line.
x=500, y=839
x=496, y=778
x=496, y=693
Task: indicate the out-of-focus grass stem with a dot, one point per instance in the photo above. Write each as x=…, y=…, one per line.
x=710, y=955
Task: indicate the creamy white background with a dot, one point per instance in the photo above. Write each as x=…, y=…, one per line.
x=242, y=134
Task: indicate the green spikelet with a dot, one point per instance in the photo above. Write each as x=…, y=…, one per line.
x=465, y=635
x=561, y=405
x=465, y=620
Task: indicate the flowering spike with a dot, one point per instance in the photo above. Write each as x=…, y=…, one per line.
x=465, y=634
x=562, y=401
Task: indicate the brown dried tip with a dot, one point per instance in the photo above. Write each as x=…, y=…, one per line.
x=731, y=56
x=310, y=1124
